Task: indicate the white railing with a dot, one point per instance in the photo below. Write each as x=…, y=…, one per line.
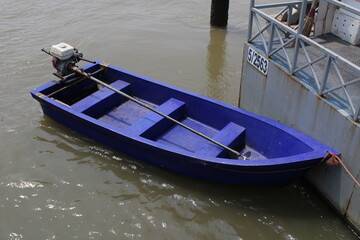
x=331, y=76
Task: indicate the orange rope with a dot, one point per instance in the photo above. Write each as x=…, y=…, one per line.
x=334, y=159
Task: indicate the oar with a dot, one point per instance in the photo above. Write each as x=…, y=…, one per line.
x=80, y=71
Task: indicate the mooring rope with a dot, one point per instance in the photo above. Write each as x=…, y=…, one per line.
x=334, y=159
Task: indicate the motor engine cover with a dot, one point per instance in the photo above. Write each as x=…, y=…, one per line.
x=62, y=51
x=64, y=58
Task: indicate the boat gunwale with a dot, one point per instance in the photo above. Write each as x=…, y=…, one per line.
x=318, y=149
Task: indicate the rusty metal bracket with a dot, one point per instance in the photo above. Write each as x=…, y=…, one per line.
x=41, y=95
x=105, y=64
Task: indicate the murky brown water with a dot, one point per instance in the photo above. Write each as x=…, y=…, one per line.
x=56, y=184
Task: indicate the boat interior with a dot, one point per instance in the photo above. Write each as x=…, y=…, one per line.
x=236, y=130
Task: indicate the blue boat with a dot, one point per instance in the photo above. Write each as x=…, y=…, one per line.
x=268, y=152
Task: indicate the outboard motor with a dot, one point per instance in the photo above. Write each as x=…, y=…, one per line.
x=64, y=57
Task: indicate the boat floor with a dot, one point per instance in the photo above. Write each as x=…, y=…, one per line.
x=129, y=113
x=180, y=137
x=137, y=120
x=126, y=114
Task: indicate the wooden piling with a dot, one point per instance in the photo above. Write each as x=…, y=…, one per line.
x=219, y=13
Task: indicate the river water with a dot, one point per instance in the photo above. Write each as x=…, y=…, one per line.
x=56, y=184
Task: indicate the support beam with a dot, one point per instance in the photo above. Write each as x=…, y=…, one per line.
x=219, y=13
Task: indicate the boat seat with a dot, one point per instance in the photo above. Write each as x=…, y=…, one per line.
x=153, y=124
x=232, y=135
x=93, y=104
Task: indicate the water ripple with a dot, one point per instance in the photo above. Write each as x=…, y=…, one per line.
x=25, y=184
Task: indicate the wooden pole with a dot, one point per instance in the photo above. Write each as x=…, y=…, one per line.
x=309, y=20
x=219, y=13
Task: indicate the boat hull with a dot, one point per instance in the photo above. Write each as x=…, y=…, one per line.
x=277, y=170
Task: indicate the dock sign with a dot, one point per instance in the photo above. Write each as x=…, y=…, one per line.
x=258, y=61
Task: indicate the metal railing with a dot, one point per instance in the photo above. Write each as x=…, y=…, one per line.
x=329, y=75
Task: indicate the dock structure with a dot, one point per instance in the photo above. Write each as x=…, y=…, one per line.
x=311, y=84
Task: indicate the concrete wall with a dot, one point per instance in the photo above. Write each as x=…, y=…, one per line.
x=283, y=98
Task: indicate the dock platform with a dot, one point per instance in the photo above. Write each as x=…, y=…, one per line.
x=313, y=85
